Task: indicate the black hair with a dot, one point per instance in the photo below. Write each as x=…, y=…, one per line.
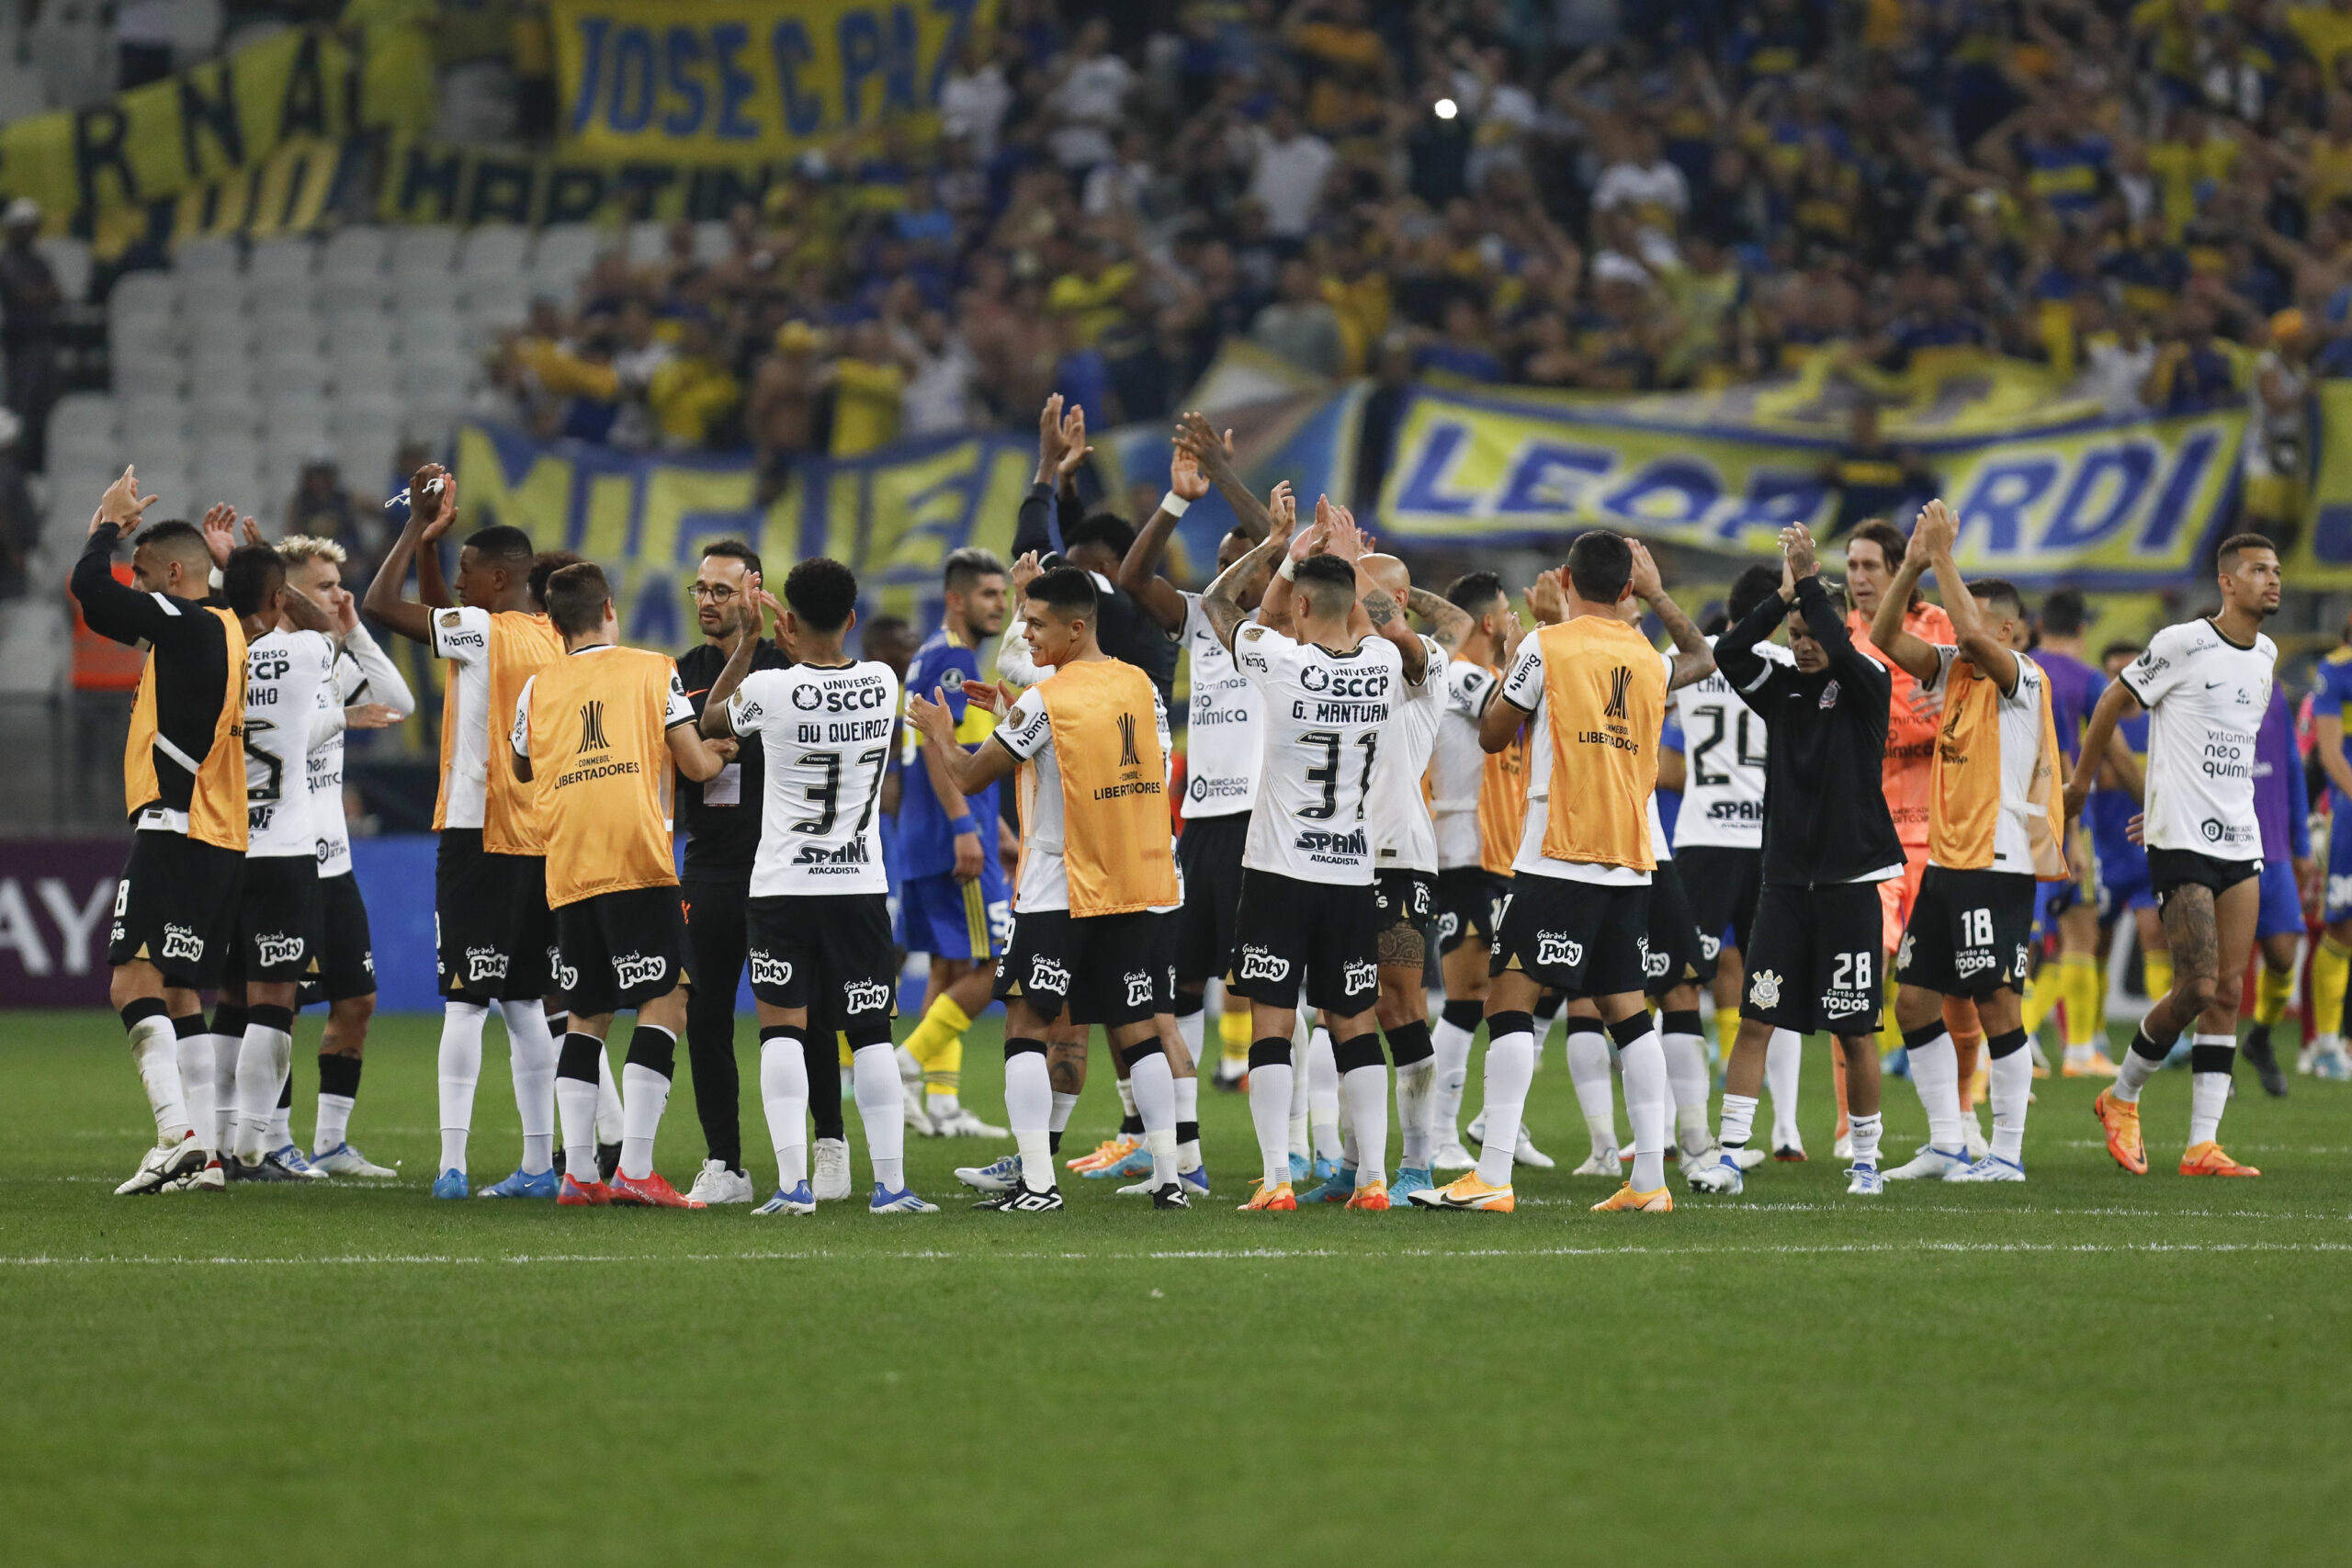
x=576, y=597
x=735, y=550
x=2000, y=594
x=500, y=542
x=173, y=534
x=1066, y=591
x=965, y=567
x=252, y=573
x=1329, y=582
x=822, y=593
x=2232, y=547
x=1473, y=593
x=2063, y=613
x=2127, y=650
x=1750, y=589
x=1106, y=528
x=1599, y=566
x=885, y=626
x=544, y=565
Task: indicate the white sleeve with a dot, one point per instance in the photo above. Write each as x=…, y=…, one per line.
x=1468, y=689
x=378, y=673
x=1523, y=687
x=749, y=707
x=2153, y=675
x=1013, y=661
x=520, y=737
x=2027, y=691
x=461, y=636
x=1257, y=650
x=1433, y=662
x=1027, y=730
x=1167, y=736
x=1945, y=655
x=681, y=710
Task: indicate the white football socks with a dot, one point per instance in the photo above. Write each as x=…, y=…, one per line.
x=155, y=1048
x=575, y=1108
x=1192, y=1029
x=1588, y=1051
x=195, y=1053
x=1064, y=1105
x=1783, y=1060
x=611, y=1112
x=1415, y=1084
x=225, y=1048
x=2209, y=1093
x=1365, y=1089
x=1298, y=1081
x=1686, y=1070
x=784, y=1090
x=1322, y=1096
x=2009, y=1086
x=262, y=1061
x=1029, y=1105
x=1739, y=1120
x=1511, y=1067
x=645, y=1095
x=2132, y=1073
x=531, y=1052
x=1451, y=1044
x=1935, y=1073
x=1647, y=1096
x=1154, y=1083
x=460, y=1070
x=1270, y=1096
x=1187, y=1114
x=1866, y=1131
x=881, y=1106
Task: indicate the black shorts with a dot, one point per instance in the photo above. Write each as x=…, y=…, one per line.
x=1677, y=955
x=1107, y=969
x=492, y=931
x=1815, y=960
x=831, y=953
x=619, y=950
x=2171, y=869
x=1722, y=885
x=278, y=919
x=1317, y=936
x=1968, y=932
x=1469, y=905
x=1585, y=939
x=343, y=960
x=177, y=908
x=1406, y=903
x=1209, y=854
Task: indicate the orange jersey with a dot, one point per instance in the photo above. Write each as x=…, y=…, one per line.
x=1605, y=695
x=1908, y=771
x=595, y=726
x=492, y=655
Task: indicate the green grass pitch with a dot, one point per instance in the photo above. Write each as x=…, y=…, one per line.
x=2090, y=1368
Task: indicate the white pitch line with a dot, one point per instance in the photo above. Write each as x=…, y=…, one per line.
x=1238, y=1255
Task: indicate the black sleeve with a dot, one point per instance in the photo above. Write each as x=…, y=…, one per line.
x=1069, y=512
x=1036, y=530
x=1749, y=672
x=1829, y=628
x=116, y=610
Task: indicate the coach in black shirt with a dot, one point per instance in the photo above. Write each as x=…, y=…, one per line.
x=1813, y=959
x=721, y=819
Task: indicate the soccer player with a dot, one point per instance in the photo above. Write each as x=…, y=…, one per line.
x=2206, y=684
x=819, y=922
x=2076, y=982
x=2110, y=811
x=1591, y=692
x=598, y=730
x=1993, y=831
x=1091, y=747
x=1477, y=802
x=493, y=930
x=2323, y=1054
x=1222, y=735
x=721, y=821
x=1309, y=914
x=184, y=791
x=366, y=692
x=2290, y=891
x=1829, y=841
x=954, y=900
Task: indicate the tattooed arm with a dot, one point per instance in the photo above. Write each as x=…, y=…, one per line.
x=1221, y=601
x=1448, y=621
x=1692, y=659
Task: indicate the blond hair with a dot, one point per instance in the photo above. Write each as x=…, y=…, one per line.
x=295, y=548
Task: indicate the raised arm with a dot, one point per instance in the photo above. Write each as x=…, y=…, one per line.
x=110, y=608
x=1693, y=661
x=1221, y=601
x=1824, y=621
x=2115, y=704
x=1977, y=644
x=716, y=723
x=1195, y=436
x=378, y=675
x=1139, y=571
x=1748, y=671
x=1911, y=653
x=432, y=506
x=968, y=771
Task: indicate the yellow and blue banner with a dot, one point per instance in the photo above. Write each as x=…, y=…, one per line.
x=731, y=80
x=2100, y=502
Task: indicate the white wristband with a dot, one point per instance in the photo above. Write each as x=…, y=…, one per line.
x=1288, y=571
x=1173, y=504
x=216, y=578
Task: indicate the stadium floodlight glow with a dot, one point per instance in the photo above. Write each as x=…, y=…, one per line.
x=1446, y=108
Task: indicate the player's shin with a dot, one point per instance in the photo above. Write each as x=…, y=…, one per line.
x=1155, y=1093
x=2011, y=1086
x=1363, y=1082
x=1192, y=1027
x=1029, y=1108
x=460, y=1069
x=227, y=1039
x=1588, y=1051
x=1456, y=1031
x=1322, y=1096
x=1300, y=1080
x=2210, y=1058
x=1510, y=1067
x=531, y=1051
x=1648, y=1094
x=1935, y=1073
x=193, y=1043
x=1680, y=1034
x=645, y=1095
x=339, y=1092
x=1410, y=1048
x=1188, y=1123
x=155, y=1050
x=575, y=1103
x=262, y=1060
x=1783, y=1065
x=784, y=1090
x=611, y=1110
x=1271, y=1075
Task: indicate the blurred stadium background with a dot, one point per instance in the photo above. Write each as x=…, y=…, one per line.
x=1491, y=270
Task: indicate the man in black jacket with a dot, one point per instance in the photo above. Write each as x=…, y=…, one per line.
x=1813, y=960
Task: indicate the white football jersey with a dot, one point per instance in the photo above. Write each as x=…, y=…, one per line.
x=1458, y=764
x=1523, y=687
x=1722, y=754
x=1028, y=733
x=2205, y=697
x=1326, y=715
x=1404, y=837
x=284, y=674
x=362, y=674
x=461, y=636
x=1221, y=740
x=826, y=737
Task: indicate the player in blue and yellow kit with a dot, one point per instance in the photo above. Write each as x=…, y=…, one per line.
x=954, y=900
x=2068, y=910
x=2124, y=891
x=2322, y=1047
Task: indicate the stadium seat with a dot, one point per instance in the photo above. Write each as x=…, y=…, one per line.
x=713, y=241
x=426, y=330
x=305, y=376
x=648, y=242
x=152, y=416
x=496, y=251
x=68, y=258
x=83, y=425
x=35, y=643
x=565, y=253
x=145, y=293
x=283, y=260
x=236, y=421
x=219, y=375
x=206, y=259
x=367, y=332
x=280, y=296
x=356, y=252
x=423, y=249
x=491, y=308
x=231, y=329
x=341, y=293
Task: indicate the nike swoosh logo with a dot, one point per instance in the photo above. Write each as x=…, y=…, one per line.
x=2211, y=684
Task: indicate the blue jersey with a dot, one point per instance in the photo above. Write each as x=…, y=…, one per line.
x=2335, y=690
x=926, y=845
x=2122, y=862
x=2074, y=689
